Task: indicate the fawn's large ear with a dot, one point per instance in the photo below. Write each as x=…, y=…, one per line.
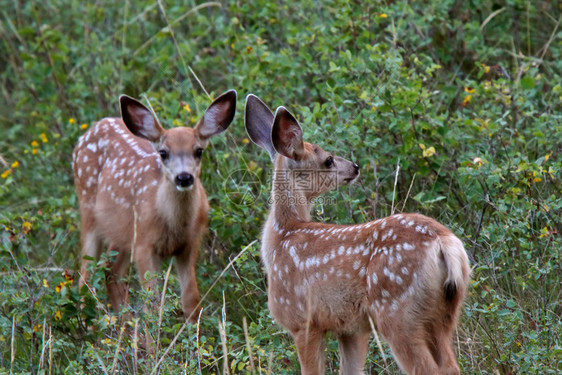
x=139, y=120
x=286, y=134
x=258, y=120
x=218, y=116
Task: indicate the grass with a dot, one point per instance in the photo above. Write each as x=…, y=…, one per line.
x=451, y=109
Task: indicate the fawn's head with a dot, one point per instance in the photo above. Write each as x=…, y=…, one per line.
x=181, y=148
x=281, y=136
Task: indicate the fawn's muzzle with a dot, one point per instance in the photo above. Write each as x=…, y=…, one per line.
x=184, y=180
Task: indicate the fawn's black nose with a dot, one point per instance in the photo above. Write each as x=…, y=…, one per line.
x=356, y=167
x=184, y=180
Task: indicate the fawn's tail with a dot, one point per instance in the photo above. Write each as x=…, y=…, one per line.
x=458, y=269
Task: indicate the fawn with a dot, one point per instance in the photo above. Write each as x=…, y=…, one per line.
x=139, y=191
x=406, y=273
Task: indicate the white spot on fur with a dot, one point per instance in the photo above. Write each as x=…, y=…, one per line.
x=362, y=272
x=408, y=246
x=92, y=147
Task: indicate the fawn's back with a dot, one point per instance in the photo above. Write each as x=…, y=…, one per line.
x=339, y=275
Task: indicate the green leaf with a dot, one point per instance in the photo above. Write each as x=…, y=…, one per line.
x=527, y=82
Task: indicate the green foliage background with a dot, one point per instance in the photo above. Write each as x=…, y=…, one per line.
x=464, y=96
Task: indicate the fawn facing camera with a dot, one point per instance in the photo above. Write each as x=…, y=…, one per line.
x=406, y=273
x=139, y=191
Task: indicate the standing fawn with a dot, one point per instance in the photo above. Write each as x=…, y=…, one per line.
x=139, y=191
x=407, y=273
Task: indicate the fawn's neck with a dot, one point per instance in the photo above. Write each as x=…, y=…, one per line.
x=289, y=206
x=176, y=206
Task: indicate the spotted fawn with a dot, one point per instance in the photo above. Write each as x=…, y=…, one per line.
x=406, y=273
x=140, y=194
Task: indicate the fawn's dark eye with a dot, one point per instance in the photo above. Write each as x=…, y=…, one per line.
x=163, y=154
x=329, y=163
x=198, y=152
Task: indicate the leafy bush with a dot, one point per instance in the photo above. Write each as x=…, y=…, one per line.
x=459, y=102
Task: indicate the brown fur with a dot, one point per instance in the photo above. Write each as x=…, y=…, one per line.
x=406, y=272
x=134, y=200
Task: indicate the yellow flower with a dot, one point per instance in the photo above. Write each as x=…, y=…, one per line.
x=427, y=151
x=71, y=121
x=252, y=165
x=477, y=161
x=43, y=138
x=34, y=151
x=34, y=144
x=470, y=90
x=176, y=122
x=15, y=164
x=382, y=15
x=84, y=126
x=544, y=232
x=187, y=108
x=245, y=141
x=45, y=283
x=68, y=277
x=6, y=173
x=466, y=100
x=537, y=179
x=59, y=287
x=26, y=227
x=110, y=320
x=57, y=315
x=37, y=327
x=486, y=68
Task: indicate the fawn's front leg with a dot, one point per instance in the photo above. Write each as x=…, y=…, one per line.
x=185, y=263
x=117, y=288
x=146, y=261
x=353, y=350
x=310, y=349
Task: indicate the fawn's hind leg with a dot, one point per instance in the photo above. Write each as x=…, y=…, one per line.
x=443, y=351
x=408, y=339
x=415, y=358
